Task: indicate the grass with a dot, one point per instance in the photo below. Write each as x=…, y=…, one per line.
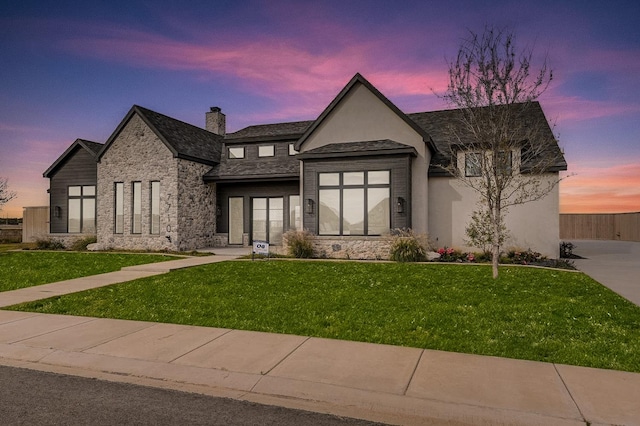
x=528, y=313
x=30, y=268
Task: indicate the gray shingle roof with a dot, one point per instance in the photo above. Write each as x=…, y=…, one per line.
x=184, y=140
x=439, y=124
x=292, y=130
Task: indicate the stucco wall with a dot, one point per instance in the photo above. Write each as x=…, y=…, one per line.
x=534, y=225
x=137, y=155
x=362, y=116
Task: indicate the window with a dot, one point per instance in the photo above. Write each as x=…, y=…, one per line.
x=266, y=151
x=119, y=208
x=505, y=162
x=155, y=208
x=292, y=149
x=236, y=152
x=267, y=219
x=354, y=203
x=472, y=164
x=295, y=216
x=136, y=203
x=82, y=209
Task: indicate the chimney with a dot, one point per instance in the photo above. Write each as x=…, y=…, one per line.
x=215, y=121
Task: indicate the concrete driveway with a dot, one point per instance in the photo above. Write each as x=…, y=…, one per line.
x=615, y=264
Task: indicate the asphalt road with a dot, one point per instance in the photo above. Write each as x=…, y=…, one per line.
x=29, y=397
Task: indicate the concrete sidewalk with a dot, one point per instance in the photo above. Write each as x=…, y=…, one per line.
x=391, y=384
x=129, y=273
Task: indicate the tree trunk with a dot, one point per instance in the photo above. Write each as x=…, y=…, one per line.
x=495, y=246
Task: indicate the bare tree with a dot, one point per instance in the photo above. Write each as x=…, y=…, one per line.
x=502, y=145
x=5, y=194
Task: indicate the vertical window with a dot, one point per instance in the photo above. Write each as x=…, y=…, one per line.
x=266, y=151
x=295, y=216
x=268, y=219
x=119, y=208
x=354, y=203
x=236, y=219
x=505, y=162
x=82, y=209
x=472, y=164
x=136, y=207
x=155, y=207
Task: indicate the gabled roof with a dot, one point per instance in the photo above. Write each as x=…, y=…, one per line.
x=358, y=149
x=359, y=79
x=439, y=125
x=93, y=148
x=184, y=140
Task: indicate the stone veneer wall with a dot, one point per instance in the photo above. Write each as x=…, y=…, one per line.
x=363, y=248
x=196, y=207
x=137, y=155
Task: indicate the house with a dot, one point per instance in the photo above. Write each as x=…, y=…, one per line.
x=359, y=170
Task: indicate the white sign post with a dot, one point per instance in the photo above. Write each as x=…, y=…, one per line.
x=260, y=247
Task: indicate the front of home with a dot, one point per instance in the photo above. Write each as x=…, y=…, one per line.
x=351, y=176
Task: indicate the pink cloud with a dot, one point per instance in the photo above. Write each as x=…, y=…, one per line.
x=602, y=189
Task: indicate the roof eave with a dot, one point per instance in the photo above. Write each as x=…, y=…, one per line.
x=379, y=152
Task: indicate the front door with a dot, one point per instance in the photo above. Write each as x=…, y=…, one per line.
x=267, y=219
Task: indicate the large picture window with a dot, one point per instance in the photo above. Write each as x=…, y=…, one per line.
x=82, y=209
x=354, y=203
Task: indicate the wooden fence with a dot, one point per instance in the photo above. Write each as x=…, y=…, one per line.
x=617, y=226
x=35, y=223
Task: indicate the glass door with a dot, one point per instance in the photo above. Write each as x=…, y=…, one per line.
x=267, y=219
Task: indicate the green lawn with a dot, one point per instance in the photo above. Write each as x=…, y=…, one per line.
x=28, y=268
x=537, y=314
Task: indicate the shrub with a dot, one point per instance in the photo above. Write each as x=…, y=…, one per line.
x=407, y=246
x=448, y=254
x=566, y=250
x=49, y=244
x=81, y=243
x=299, y=244
x=524, y=257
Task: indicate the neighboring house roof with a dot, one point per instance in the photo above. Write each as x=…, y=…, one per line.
x=184, y=140
x=359, y=79
x=92, y=148
x=358, y=149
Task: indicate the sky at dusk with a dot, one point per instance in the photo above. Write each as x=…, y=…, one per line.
x=72, y=70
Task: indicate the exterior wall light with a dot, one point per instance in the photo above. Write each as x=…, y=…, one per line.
x=308, y=206
x=400, y=205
